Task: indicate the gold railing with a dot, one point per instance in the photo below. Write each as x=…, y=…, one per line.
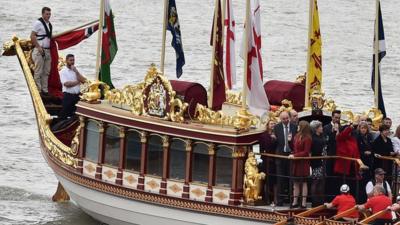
x=50, y=141
x=358, y=161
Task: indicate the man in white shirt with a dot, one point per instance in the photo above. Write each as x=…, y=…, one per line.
x=40, y=36
x=379, y=180
x=70, y=80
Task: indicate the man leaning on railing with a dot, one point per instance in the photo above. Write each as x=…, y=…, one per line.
x=284, y=132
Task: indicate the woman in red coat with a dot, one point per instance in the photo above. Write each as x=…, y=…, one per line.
x=301, y=168
x=347, y=146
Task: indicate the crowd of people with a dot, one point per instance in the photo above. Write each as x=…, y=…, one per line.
x=292, y=170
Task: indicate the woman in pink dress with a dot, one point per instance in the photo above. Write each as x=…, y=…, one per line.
x=301, y=167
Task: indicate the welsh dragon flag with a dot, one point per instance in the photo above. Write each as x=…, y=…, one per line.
x=109, y=45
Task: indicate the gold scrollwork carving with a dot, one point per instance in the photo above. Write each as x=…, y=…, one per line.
x=134, y=97
x=177, y=110
x=122, y=132
x=50, y=142
x=241, y=121
x=211, y=149
x=244, y=119
x=238, y=154
x=376, y=116
x=101, y=126
x=270, y=116
x=91, y=91
x=143, y=137
x=188, y=146
x=165, y=141
x=349, y=117
x=234, y=97
x=301, y=79
x=330, y=105
x=75, y=140
x=286, y=105
x=82, y=121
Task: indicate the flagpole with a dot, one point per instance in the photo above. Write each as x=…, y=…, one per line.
x=164, y=33
x=376, y=58
x=307, y=89
x=223, y=10
x=75, y=28
x=246, y=54
x=99, y=39
x=310, y=28
x=214, y=40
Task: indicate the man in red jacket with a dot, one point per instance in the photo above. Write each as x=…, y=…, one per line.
x=343, y=202
x=378, y=203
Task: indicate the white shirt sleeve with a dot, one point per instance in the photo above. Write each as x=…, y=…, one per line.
x=396, y=144
x=369, y=188
x=37, y=26
x=63, y=76
x=388, y=188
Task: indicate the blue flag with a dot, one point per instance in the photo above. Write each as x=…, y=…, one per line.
x=382, y=53
x=173, y=26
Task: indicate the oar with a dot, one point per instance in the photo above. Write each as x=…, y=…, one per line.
x=311, y=211
x=373, y=217
x=344, y=213
x=340, y=215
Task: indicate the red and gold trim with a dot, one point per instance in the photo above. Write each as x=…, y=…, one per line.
x=164, y=200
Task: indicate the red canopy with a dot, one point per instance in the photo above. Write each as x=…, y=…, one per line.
x=279, y=90
x=191, y=93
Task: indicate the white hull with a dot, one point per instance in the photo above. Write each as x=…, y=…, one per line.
x=115, y=210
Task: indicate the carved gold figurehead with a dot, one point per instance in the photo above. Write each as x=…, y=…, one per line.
x=253, y=180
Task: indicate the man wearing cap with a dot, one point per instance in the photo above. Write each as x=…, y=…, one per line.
x=343, y=202
x=379, y=180
x=378, y=203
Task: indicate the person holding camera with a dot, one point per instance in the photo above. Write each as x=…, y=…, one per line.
x=40, y=37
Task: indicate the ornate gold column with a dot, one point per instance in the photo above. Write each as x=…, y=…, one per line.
x=82, y=143
x=165, y=174
x=100, y=159
x=237, y=175
x=122, y=145
x=188, y=169
x=143, y=157
x=211, y=172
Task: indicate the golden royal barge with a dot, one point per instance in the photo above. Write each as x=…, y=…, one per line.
x=151, y=153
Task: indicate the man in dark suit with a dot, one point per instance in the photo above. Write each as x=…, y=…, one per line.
x=284, y=132
x=330, y=132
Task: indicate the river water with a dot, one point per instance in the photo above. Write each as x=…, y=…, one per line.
x=26, y=182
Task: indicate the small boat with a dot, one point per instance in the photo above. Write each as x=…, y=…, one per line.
x=154, y=151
